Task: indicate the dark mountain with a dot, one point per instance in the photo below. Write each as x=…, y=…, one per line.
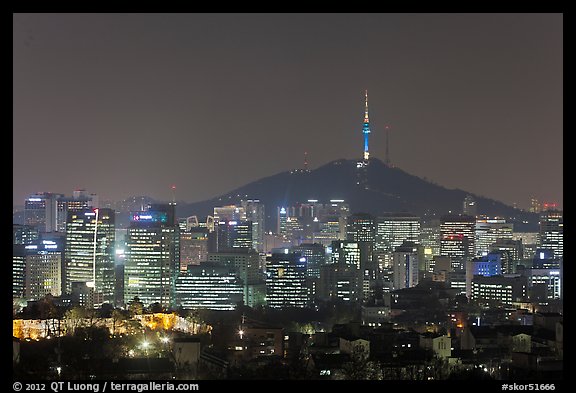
x=385, y=189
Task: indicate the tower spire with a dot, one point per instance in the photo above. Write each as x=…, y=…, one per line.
x=366, y=128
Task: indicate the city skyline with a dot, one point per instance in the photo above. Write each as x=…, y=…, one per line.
x=132, y=104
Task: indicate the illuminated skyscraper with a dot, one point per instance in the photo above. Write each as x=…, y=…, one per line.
x=89, y=252
x=43, y=270
x=392, y=229
x=79, y=201
x=255, y=213
x=193, y=247
x=405, y=265
x=233, y=234
x=281, y=222
x=488, y=231
x=341, y=278
x=40, y=211
x=552, y=231
x=152, y=258
x=286, y=279
x=457, y=239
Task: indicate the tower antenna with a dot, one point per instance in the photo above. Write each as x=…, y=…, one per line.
x=366, y=128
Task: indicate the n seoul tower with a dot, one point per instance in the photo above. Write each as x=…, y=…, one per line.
x=366, y=128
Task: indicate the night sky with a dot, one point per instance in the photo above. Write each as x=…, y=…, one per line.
x=130, y=104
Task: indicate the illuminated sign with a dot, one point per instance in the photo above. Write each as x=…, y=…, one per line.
x=35, y=199
x=31, y=247
x=150, y=216
x=336, y=200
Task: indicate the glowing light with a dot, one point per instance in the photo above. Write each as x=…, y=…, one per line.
x=35, y=199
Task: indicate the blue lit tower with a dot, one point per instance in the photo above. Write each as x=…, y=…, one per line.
x=366, y=128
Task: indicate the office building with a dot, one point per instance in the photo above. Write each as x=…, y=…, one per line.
x=489, y=231
x=90, y=252
x=499, y=290
x=255, y=213
x=457, y=239
x=286, y=279
x=43, y=269
x=209, y=286
x=405, y=265
x=232, y=234
x=152, y=257
x=551, y=233
x=40, y=211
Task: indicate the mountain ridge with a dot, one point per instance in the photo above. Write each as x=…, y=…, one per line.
x=386, y=189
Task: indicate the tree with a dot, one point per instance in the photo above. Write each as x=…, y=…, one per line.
x=136, y=307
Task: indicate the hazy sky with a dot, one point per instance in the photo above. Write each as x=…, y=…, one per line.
x=130, y=104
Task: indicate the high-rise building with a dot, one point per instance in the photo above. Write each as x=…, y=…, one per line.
x=229, y=213
x=90, y=252
x=79, y=201
x=529, y=243
x=457, y=239
x=392, y=229
x=315, y=257
x=430, y=241
x=246, y=264
x=405, y=265
x=511, y=251
x=361, y=228
x=342, y=277
x=255, y=213
x=281, y=222
x=152, y=258
x=40, y=211
x=210, y=285
x=24, y=234
x=18, y=270
x=286, y=279
x=43, y=273
x=488, y=231
x=552, y=231
x=233, y=234
x=193, y=247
